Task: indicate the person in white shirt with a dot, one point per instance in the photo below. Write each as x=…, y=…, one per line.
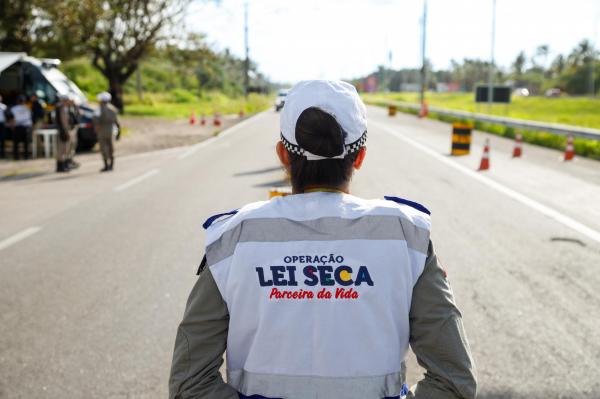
x=21, y=127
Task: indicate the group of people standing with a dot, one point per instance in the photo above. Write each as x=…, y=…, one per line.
x=22, y=119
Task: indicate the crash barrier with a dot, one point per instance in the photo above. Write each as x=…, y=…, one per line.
x=556, y=128
x=461, y=138
x=279, y=192
x=392, y=109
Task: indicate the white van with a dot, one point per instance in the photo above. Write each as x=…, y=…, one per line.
x=21, y=74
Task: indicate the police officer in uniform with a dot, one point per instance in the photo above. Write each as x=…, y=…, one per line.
x=105, y=120
x=64, y=126
x=319, y=294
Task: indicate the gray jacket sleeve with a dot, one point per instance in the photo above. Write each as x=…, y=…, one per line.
x=199, y=346
x=438, y=339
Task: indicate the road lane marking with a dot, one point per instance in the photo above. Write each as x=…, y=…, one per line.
x=523, y=199
x=196, y=147
x=136, y=180
x=221, y=135
x=18, y=237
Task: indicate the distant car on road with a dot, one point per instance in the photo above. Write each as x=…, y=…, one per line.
x=280, y=100
x=521, y=92
x=554, y=92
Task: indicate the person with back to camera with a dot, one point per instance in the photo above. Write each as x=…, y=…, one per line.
x=105, y=119
x=319, y=294
x=64, y=126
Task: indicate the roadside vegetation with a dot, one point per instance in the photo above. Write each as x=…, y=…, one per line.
x=550, y=87
x=135, y=50
x=578, y=111
x=159, y=91
x=567, y=110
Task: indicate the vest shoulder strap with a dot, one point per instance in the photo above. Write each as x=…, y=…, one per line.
x=412, y=204
x=218, y=216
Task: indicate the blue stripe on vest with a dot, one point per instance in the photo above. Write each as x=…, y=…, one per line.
x=211, y=219
x=412, y=204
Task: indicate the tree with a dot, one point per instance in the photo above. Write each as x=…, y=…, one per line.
x=124, y=31
x=117, y=34
x=542, y=52
x=16, y=25
x=518, y=66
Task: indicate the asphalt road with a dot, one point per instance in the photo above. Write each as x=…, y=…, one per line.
x=95, y=268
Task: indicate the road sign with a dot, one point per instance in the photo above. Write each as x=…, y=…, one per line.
x=501, y=94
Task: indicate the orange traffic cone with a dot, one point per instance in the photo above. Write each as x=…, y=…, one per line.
x=570, y=150
x=203, y=120
x=217, y=119
x=485, y=158
x=192, y=118
x=518, y=150
x=241, y=114
x=424, y=110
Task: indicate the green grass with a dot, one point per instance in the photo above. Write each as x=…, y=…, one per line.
x=180, y=104
x=566, y=110
x=577, y=111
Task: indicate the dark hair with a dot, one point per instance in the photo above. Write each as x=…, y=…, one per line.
x=319, y=133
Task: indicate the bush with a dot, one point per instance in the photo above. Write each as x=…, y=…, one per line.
x=182, y=96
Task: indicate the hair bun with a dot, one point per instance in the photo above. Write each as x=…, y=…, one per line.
x=319, y=133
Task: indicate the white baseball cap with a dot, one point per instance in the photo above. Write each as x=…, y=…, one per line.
x=337, y=98
x=104, y=97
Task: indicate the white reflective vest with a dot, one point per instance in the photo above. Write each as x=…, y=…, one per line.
x=318, y=287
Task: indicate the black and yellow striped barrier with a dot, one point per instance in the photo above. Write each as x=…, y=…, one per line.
x=461, y=138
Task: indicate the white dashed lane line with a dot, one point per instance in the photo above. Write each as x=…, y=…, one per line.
x=523, y=199
x=18, y=237
x=136, y=180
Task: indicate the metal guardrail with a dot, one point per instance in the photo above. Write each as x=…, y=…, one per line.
x=556, y=128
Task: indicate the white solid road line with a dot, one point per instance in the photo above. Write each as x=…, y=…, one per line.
x=136, y=180
x=196, y=147
x=224, y=133
x=545, y=210
x=18, y=237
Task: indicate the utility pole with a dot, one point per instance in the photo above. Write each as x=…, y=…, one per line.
x=491, y=69
x=247, y=60
x=423, y=60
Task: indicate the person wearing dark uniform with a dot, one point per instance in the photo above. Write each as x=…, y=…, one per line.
x=64, y=126
x=105, y=120
x=319, y=294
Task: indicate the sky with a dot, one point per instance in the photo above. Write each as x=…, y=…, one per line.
x=292, y=40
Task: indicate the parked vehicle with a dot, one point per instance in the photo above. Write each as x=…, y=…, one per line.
x=280, y=99
x=22, y=74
